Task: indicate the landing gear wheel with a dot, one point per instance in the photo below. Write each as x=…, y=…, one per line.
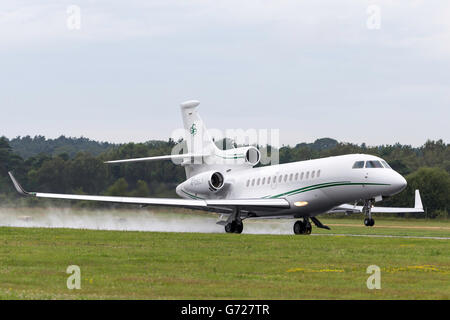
x=229, y=228
x=308, y=227
x=298, y=227
x=234, y=227
x=367, y=210
x=302, y=227
x=239, y=227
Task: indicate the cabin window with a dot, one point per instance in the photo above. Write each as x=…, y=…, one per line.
x=290, y=176
x=279, y=178
x=268, y=180
x=248, y=182
x=253, y=182
x=307, y=175
x=296, y=176
x=358, y=165
x=313, y=174
x=318, y=173
x=302, y=175
x=274, y=179
x=386, y=164
x=263, y=180
x=258, y=181
x=373, y=164
x=285, y=177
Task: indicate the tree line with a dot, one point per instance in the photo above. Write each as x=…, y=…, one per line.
x=76, y=165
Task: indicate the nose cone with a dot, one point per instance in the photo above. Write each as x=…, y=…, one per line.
x=398, y=183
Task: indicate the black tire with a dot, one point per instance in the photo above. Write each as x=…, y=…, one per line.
x=229, y=228
x=369, y=222
x=298, y=226
x=308, y=228
x=239, y=227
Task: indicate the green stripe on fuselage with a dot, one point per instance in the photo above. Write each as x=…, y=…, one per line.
x=191, y=195
x=323, y=185
x=232, y=157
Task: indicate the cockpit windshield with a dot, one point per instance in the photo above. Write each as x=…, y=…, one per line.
x=371, y=164
x=386, y=165
x=358, y=165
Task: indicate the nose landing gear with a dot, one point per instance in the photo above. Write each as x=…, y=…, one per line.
x=369, y=222
x=367, y=210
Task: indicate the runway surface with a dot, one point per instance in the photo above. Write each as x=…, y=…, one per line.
x=144, y=220
x=390, y=227
x=378, y=236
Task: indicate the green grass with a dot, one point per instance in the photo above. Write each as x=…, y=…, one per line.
x=397, y=227
x=151, y=265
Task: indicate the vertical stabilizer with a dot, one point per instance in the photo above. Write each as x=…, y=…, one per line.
x=197, y=138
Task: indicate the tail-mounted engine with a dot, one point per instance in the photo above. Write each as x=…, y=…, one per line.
x=245, y=155
x=203, y=183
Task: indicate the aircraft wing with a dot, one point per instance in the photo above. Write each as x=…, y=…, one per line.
x=418, y=207
x=221, y=205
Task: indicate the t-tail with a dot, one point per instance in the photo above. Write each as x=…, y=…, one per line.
x=202, y=153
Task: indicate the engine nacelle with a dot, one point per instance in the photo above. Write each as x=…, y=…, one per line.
x=244, y=155
x=202, y=183
x=252, y=156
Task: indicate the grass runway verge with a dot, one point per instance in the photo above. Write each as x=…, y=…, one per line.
x=169, y=265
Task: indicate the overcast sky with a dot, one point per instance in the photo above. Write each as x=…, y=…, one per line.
x=309, y=68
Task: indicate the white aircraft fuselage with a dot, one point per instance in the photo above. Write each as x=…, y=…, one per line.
x=319, y=185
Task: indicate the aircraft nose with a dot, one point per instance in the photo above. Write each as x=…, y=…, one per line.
x=399, y=183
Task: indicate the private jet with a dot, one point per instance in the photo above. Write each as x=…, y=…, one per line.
x=227, y=182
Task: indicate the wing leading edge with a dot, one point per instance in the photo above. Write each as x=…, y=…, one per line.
x=207, y=205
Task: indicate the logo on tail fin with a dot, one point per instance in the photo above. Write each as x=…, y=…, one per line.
x=193, y=129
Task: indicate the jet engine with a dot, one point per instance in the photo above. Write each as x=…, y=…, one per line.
x=244, y=155
x=202, y=183
x=252, y=156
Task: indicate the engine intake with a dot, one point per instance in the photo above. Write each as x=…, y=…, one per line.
x=216, y=181
x=202, y=184
x=252, y=156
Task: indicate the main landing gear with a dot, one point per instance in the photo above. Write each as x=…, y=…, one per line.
x=234, y=227
x=234, y=223
x=367, y=210
x=302, y=227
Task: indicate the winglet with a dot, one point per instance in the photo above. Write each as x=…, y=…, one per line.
x=19, y=187
x=418, y=201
